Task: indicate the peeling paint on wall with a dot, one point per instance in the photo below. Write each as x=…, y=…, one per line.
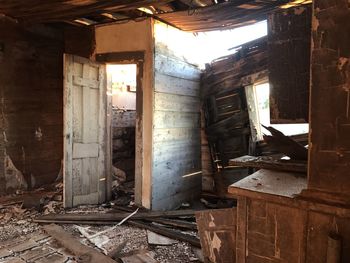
x=38, y=134
x=14, y=177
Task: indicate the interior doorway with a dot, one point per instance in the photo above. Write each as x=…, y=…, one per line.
x=123, y=84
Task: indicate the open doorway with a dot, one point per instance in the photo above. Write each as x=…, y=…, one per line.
x=123, y=82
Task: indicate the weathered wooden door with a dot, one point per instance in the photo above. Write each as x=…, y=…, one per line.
x=86, y=143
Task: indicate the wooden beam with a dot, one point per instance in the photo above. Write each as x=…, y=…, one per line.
x=267, y=162
x=114, y=217
x=167, y=232
x=30, y=11
x=285, y=144
x=83, y=252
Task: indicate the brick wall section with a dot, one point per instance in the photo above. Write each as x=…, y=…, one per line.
x=31, y=101
x=330, y=97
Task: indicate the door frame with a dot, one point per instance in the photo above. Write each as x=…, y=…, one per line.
x=138, y=58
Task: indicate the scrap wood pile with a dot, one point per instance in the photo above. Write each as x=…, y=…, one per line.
x=284, y=154
x=98, y=234
x=162, y=223
x=126, y=234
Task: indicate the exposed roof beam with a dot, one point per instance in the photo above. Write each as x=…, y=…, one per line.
x=194, y=3
x=54, y=10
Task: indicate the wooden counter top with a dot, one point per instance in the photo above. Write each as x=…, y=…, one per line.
x=283, y=184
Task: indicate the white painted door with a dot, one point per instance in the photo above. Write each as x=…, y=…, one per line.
x=86, y=142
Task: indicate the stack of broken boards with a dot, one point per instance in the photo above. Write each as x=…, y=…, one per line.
x=157, y=222
x=286, y=146
x=271, y=163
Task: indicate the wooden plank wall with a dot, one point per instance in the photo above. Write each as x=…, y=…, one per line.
x=330, y=92
x=217, y=232
x=176, y=125
x=31, y=95
x=79, y=41
x=225, y=108
x=289, y=42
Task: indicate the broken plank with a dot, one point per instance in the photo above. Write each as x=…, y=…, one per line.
x=159, y=240
x=164, y=221
x=174, y=223
x=139, y=256
x=271, y=163
x=167, y=232
x=114, y=217
x=80, y=222
x=285, y=144
x=74, y=246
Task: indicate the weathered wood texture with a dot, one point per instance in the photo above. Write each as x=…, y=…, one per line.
x=123, y=132
x=237, y=70
x=86, y=168
x=275, y=232
x=114, y=216
x=271, y=163
x=79, y=41
x=320, y=227
x=176, y=173
x=207, y=163
x=330, y=121
x=217, y=231
x=230, y=14
x=262, y=148
x=72, y=244
x=43, y=11
x=31, y=102
x=270, y=182
x=285, y=144
x=225, y=109
x=289, y=42
x=274, y=227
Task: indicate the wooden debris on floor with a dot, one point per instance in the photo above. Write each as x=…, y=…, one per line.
x=134, y=220
x=82, y=252
x=155, y=239
x=114, y=217
x=264, y=149
x=285, y=144
x=119, y=243
x=194, y=241
x=141, y=256
x=36, y=247
x=97, y=239
x=271, y=163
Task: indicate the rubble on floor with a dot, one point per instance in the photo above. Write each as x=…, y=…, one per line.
x=23, y=240
x=34, y=227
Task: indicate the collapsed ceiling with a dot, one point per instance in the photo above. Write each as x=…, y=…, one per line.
x=188, y=15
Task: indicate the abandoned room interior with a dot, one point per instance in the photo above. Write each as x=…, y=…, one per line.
x=212, y=131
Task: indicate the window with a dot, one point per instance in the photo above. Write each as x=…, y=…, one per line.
x=124, y=82
x=262, y=93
